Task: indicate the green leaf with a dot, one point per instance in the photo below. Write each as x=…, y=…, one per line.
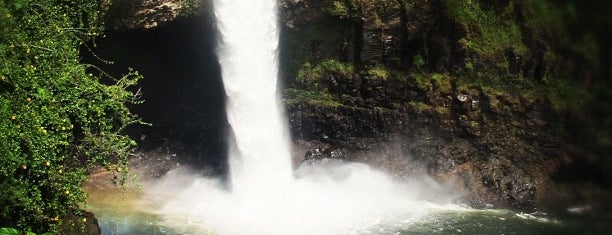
x=9, y=231
x=52, y=110
x=18, y=5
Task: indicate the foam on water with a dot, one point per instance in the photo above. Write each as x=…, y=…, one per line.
x=331, y=198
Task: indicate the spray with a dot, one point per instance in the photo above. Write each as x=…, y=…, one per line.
x=329, y=197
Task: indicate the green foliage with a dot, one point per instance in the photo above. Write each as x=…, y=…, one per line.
x=418, y=61
x=469, y=65
x=494, y=31
x=379, y=71
x=422, y=81
x=543, y=17
x=12, y=231
x=316, y=41
x=563, y=95
x=489, y=32
x=346, y=9
x=421, y=107
x=434, y=81
x=191, y=7
x=56, y=120
x=298, y=96
x=341, y=9
x=9, y=231
x=314, y=81
x=442, y=82
x=309, y=73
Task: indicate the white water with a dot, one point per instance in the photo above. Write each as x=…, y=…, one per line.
x=264, y=197
x=332, y=198
x=248, y=54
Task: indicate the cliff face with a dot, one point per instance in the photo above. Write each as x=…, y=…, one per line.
x=146, y=14
x=475, y=91
x=470, y=89
x=501, y=148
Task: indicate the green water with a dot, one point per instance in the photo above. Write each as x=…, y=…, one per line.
x=129, y=212
x=124, y=213
x=451, y=222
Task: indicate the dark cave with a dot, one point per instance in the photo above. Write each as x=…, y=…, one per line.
x=182, y=90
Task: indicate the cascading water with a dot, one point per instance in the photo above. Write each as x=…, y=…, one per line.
x=264, y=197
x=260, y=159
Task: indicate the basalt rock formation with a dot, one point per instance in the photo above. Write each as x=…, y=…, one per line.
x=481, y=93
x=470, y=89
x=146, y=14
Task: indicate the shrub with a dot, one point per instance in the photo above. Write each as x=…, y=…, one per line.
x=489, y=32
x=418, y=61
x=379, y=71
x=56, y=120
x=309, y=73
x=342, y=9
x=298, y=96
x=12, y=231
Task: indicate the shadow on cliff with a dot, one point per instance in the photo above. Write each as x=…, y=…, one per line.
x=182, y=90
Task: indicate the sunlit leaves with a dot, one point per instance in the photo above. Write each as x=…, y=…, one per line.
x=56, y=118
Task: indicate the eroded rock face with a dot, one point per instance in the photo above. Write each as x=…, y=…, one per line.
x=502, y=150
x=502, y=147
x=145, y=14
x=368, y=32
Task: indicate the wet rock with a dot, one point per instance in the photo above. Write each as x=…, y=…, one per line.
x=146, y=14
x=81, y=223
x=488, y=144
x=513, y=184
x=496, y=144
x=320, y=153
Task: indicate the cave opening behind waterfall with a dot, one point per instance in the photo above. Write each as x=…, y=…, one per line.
x=182, y=89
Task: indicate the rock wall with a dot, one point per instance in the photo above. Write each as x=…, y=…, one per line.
x=146, y=14
x=502, y=149
x=472, y=90
x=461, y=86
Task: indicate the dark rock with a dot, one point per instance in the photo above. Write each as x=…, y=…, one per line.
x=490, y=146
x=81, y=223
x=320, y=153
x=510, y=182
x=146, y=14
x=503, y=148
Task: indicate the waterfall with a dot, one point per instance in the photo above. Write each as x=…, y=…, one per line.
x=326, y=197
x=248, y=54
